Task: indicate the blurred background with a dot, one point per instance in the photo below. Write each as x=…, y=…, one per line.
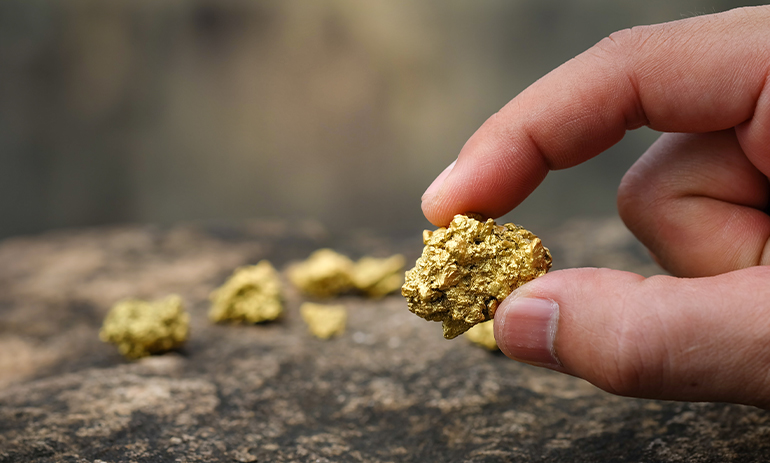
x=336, y=111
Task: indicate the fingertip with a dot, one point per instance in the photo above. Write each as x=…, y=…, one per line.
x=435, y=186
x=488, y=185
x=434, y=201
x=432, y=213
x=448, y=196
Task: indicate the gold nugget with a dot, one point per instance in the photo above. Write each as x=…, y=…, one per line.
x=483, y=334
x=252, y=294
x=325, y=273
x=466, y=270
x=141, y=328
x=324, y=321
x=378, y=277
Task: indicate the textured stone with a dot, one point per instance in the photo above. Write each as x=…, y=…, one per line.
x=388, y=389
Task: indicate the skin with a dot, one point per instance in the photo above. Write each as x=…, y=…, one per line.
x=698, y=199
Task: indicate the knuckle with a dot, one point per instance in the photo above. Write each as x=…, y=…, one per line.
x=623, y=52
x=629, y=193
x=627, y=371
x=635, y=199
x=623, y=43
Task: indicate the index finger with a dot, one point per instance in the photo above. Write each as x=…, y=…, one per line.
x=701, y=74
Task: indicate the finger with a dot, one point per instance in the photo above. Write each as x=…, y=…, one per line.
x=698, y=204
x=700, y=339
x=696, y=75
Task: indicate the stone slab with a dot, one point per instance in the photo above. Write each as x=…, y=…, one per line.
x=391, y=389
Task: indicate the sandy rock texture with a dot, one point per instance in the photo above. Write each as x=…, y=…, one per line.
x=390, y=389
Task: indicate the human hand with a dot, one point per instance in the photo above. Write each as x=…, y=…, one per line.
x=698, y=199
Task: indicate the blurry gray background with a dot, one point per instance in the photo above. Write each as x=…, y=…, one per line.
x=338, y=111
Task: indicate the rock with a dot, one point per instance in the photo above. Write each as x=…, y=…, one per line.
x=389, y=389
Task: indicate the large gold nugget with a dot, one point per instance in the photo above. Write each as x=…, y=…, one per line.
x=141, y=328
x=252, y=294
x=466, y=270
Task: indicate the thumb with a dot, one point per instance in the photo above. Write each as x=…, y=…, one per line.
x=703, y=339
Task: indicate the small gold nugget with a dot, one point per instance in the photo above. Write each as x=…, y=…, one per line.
x=325, y=273
x=483, y=334
x=378, y=277
x=324, y=321
x=141, y=328
x=252, y=294
x=466, y=270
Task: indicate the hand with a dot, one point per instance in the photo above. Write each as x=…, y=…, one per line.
x=698, y=199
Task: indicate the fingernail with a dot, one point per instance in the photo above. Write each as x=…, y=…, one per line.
x=434, y=187
x=525, y=329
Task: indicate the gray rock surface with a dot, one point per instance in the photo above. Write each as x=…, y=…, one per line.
x=391, y=389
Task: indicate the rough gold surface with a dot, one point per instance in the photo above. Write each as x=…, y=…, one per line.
x=324, y=321
x=252, y=294
x=483, y=334
x=141, y=328
x=325, y=273
x=378, y=277
x=466, y=270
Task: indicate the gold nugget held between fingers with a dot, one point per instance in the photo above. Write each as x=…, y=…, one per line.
x=252, y=295
x=324, y=321
x=141, y=328
x=468, y=268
